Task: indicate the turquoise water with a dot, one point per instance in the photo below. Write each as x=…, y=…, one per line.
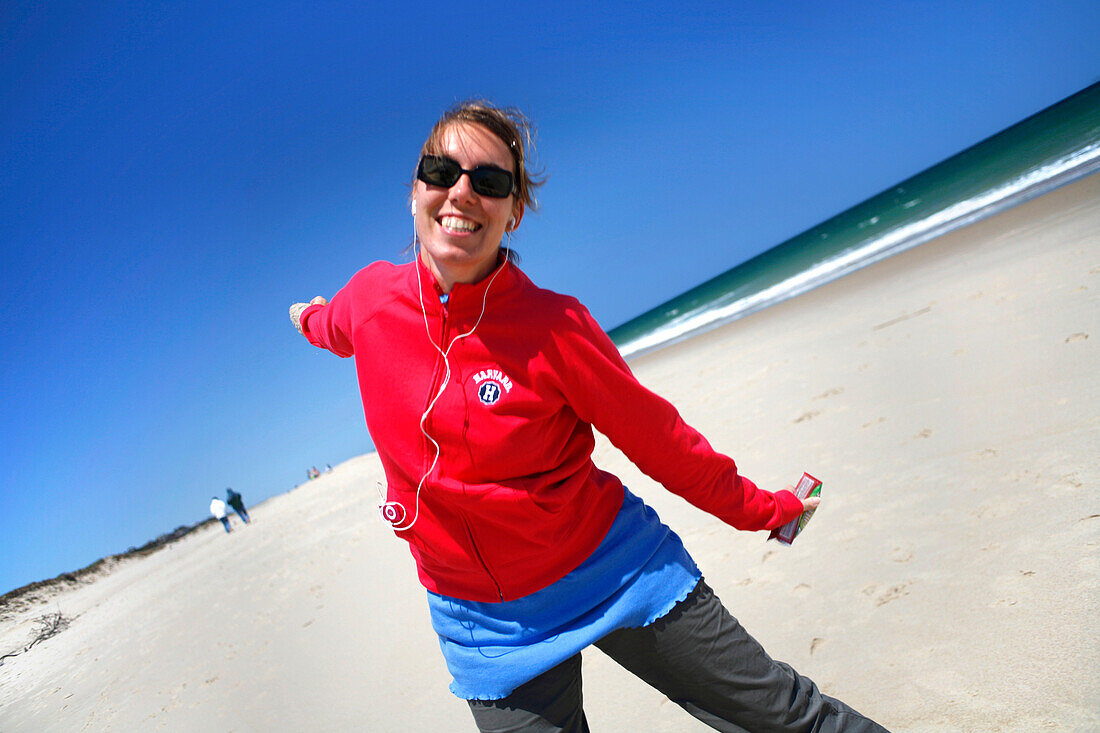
x=1049, y=149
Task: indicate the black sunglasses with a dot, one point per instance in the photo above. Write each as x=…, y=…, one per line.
x=486, y=180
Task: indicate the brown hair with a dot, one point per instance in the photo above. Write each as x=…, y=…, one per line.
x=507, y=123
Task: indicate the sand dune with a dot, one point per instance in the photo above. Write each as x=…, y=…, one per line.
x=948, y=399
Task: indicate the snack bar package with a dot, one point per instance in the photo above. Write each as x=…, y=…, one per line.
x=807, y=486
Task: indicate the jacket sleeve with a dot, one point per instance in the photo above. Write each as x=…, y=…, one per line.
x=329, y=326
x=603, y=392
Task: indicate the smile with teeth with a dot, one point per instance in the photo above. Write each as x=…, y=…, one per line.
x=458, y=224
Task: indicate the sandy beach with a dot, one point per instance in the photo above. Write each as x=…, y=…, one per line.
x=948, y=398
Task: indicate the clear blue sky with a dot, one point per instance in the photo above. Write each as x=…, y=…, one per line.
x=174, y=175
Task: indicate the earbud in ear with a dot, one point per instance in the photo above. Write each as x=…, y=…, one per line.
x=412, y=208
x=511, y=224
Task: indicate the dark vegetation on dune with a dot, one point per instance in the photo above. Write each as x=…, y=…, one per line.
x=41, y=591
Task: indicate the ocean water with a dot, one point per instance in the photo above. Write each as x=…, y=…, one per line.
x=1059, y=145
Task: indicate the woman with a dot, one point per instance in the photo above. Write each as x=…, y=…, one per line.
x=480, y=392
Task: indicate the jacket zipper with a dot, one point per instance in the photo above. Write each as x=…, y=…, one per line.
x=433, y=389
x=427, y=448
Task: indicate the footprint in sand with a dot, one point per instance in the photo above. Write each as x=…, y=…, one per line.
x=926, y=433
x=1070, y=482
x=901, y=554
x=879, y=421
x=808, y=416
x=1076, y=337
x=817, y=641
x=893, y=593
x=830, y=393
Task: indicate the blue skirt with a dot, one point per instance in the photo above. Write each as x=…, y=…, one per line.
x=637, y=574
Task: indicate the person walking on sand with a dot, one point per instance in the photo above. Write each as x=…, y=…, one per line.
x=217, y=508
x=481, y=392
x=233, y=499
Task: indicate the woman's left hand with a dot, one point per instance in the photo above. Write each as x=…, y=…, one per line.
x=808, y=503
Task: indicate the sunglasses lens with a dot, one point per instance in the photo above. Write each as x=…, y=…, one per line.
x=438, y=171
x=492, y=182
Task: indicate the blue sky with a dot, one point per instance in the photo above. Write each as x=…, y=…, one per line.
x=174, y=175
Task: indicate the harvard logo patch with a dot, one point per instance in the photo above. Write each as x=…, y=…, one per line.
x=492, y=384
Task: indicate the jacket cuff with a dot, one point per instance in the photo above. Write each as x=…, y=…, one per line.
x=304, y=319
x=789, y=507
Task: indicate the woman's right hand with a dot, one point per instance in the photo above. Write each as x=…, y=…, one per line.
x=297, y=308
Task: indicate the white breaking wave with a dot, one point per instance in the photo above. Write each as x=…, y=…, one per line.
x=1034, y=183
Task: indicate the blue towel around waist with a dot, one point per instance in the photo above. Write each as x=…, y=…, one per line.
x=636, y=575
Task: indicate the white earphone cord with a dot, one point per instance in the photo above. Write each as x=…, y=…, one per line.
x=392, y=505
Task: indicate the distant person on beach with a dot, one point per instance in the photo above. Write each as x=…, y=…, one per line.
x=233, y=499
x=217, y=508
x=481, y=392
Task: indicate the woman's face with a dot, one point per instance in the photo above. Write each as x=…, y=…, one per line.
x=459, y=229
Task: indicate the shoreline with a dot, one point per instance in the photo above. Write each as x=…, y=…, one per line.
x=1075, y=167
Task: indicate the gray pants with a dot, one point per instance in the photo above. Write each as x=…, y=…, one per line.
x=703, y=660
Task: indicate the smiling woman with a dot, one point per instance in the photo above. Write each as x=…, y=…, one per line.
x=460, y=228
x=481, y=392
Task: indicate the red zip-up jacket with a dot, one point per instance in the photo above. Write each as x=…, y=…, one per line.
x=514, y=501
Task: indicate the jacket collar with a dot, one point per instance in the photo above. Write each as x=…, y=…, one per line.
x=464, y=298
